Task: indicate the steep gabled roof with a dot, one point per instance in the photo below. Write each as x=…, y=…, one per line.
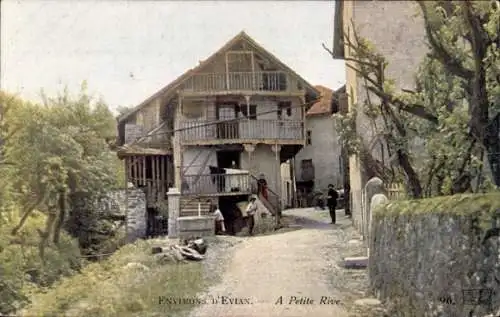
x=324, y=105
x=171, y=88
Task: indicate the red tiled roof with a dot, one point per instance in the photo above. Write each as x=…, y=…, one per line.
x=324, y=105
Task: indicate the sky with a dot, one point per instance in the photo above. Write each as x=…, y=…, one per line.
x=128, y=50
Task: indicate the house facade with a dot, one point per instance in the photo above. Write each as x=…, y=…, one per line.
x=218, y=128
x=399, y=35
x=319, y=162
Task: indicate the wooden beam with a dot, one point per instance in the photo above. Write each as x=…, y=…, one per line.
x=133, y=168
x=162, y=168
x=153, y=169
x=158, y=176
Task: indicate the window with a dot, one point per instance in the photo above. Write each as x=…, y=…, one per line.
x=308, y=137
x=286, y=106
x=253, y=111
x=306, y=163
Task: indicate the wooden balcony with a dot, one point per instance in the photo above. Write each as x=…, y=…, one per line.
x=265, y=83
x=217, y=184
x=200, y=132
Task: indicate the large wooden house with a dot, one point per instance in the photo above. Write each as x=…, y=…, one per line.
x=241, y=108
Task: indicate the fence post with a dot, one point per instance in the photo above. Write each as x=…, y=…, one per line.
x=173, y=212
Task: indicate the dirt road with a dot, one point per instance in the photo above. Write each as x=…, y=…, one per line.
x=295, y=273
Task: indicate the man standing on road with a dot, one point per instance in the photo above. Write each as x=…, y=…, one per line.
x=251, y=210
x=332, y=201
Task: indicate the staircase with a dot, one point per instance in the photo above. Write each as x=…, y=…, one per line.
x=189, y=206
x=273, y=203
x=272, y=209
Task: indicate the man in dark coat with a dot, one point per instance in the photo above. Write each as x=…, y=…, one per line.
x=332, y=201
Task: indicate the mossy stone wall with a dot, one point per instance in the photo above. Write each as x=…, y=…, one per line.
x=427, y=255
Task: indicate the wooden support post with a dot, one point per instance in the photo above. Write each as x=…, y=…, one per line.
x=158, y=177
x=303, y=117
x=133, y=170
x=162, y=181
x=127, y=169
x=154, y=176
x=277, y=149
x=144, y=170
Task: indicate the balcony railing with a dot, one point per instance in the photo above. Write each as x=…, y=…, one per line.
x=243, y=130
x=216, y=184
x=275, y=81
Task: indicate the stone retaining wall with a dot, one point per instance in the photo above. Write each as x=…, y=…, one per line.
x=189, y=227
x=136, y=215
x=432, y=257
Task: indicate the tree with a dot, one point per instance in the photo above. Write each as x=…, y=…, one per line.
x=55, y=150
x=452, y=103
x=464, y=37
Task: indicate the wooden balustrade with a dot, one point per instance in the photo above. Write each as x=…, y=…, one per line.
x=213, y=184
x=242, y=130
x=270, y=81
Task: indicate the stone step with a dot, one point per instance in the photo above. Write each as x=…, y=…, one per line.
x=190, y=207
x=360, y=262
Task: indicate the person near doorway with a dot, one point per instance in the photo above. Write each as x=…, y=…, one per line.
x=332, y=201
x=251, y=211
x=220, y=228
x=262, y=186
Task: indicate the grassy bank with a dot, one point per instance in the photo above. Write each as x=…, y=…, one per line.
x=109, y=288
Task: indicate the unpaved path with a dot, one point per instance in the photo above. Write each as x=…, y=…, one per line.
x=288, y=274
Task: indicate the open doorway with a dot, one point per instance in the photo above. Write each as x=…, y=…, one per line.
x=233, y=219
x=225, y=159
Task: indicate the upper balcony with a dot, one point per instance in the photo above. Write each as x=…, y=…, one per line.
x=204, y=132
x=276, y=83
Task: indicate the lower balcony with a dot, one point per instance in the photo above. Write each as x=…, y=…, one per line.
x=217, y=184
x=243, y=131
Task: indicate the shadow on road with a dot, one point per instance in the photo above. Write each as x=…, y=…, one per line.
x=309, y=218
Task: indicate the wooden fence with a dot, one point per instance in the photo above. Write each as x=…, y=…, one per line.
x=395, y=191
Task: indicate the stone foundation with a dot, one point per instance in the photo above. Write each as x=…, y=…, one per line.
x=432, y=257
x=195, y=226
x=136, y=215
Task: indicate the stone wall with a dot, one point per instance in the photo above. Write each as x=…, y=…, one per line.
x=324, y=150
x=137, y=214
x=431, y=257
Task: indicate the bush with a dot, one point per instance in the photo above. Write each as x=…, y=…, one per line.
x=23, y=272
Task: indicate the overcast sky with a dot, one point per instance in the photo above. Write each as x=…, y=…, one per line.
x=127, y=50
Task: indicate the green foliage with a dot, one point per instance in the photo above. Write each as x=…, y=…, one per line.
x=48, y=153
x=439, y=132
x=346, y=129
x=21, y=268
x=482, y=205
x=110, y=289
